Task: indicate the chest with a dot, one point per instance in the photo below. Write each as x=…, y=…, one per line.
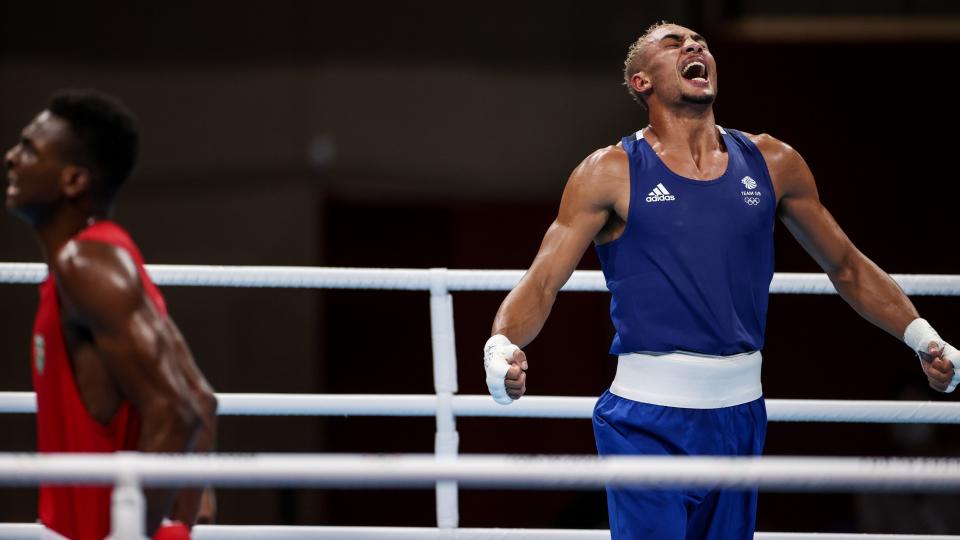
x=739, y=204
x=712, y=165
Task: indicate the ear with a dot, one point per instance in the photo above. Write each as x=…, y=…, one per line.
x=641, y=83
x=75, y=181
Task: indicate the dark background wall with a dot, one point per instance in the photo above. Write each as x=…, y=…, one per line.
x=309, y=133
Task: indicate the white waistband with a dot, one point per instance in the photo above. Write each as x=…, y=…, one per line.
x=688, y=380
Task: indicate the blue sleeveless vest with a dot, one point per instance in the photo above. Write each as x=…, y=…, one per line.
x=692, y=269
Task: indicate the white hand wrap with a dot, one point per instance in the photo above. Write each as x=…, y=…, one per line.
x=918, y=336
x=495, y=354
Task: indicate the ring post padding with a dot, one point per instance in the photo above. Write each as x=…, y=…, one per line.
x=447, y=440
x=128, y=508
x=442, y=333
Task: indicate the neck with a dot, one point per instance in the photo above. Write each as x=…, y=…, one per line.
x=692, y=129
x=61, y=226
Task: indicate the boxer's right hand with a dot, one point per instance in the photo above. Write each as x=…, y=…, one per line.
x=505, y=366
x=940, y=360
x=939, y=365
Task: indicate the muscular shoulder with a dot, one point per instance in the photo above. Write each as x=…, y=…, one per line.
x=96, y=279
x=779, y=156
x=608, y=161
x=601, y=174
x=788, y=170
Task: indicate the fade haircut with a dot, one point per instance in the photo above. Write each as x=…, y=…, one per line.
x=632, y=64
x=105, y=137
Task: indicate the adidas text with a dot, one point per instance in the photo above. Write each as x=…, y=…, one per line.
x=660, y=194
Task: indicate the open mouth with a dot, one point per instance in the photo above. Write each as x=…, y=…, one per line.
x=695, y=71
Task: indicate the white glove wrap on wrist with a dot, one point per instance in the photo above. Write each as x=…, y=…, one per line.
x=918, y=336
x=495, y=354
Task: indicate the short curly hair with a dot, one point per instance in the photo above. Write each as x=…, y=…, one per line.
x=106, y=137
x=632, y=63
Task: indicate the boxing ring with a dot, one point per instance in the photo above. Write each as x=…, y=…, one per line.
x=447, y=471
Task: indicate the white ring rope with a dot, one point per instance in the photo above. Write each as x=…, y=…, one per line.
x=778, y=410
x=425, y=279
x=559, y=472
x=220, y=532
x=32, y=531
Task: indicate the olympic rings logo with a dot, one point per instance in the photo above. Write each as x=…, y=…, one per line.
x=752, y=201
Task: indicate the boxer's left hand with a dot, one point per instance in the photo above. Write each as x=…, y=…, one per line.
x=503, y=366
x=516, y=379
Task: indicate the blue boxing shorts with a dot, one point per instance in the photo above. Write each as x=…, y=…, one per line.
x=683, y=426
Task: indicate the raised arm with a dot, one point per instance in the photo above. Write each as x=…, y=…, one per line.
x=860, y=282
x=588, y=208
x=585, y=209
x=145, y=355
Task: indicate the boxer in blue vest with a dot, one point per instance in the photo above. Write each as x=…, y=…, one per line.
x=681, y=214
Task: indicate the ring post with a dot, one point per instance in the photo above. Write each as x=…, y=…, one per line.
x=128, y=512
x=447, y=441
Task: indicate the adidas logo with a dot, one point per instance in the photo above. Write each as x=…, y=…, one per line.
x=660, y=194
